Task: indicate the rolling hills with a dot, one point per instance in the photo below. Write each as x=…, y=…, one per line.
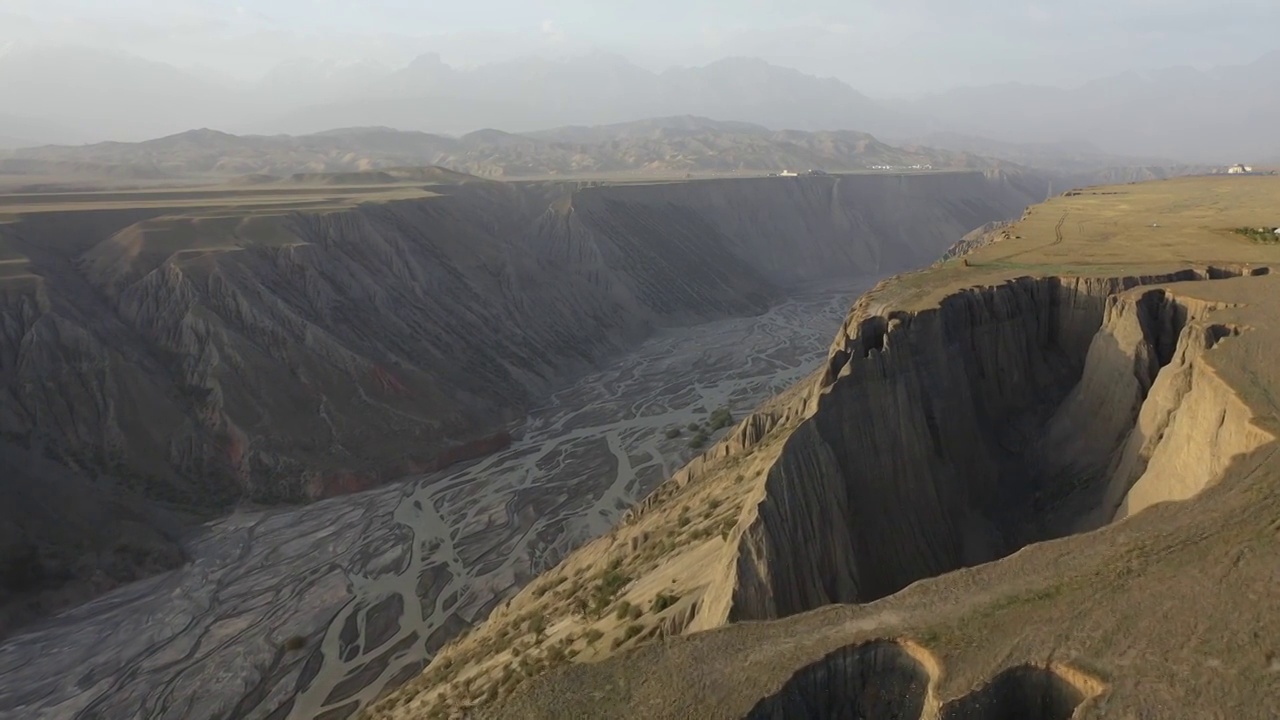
x=668, y=147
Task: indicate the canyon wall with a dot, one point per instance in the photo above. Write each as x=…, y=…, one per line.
x=1007, y=415
x=193, y=361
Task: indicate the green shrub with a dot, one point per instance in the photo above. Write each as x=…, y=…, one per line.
x=624, y=609
x=721, y=418
x=673, y=433
x=664, y=601
x=538, y=624
x=610, y=584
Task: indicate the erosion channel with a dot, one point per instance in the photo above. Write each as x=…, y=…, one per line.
x=729, y=289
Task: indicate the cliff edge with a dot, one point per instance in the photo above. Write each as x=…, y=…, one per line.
x=1032, y=482
x=168, y=356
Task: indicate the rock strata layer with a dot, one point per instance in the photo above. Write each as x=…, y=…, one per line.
x=1008, y=415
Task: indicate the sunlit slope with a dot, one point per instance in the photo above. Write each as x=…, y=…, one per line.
x=1099, y=376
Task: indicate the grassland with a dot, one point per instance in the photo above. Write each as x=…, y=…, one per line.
x=1106, y=231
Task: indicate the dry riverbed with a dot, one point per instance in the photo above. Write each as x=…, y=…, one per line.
x=315, y=612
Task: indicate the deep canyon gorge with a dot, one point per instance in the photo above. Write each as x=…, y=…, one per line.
x=215, y=364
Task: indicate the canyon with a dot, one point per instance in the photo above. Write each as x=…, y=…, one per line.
x=178, y=362
x=1033, y=480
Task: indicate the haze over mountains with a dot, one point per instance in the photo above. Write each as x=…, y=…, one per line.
x=675, y=145
x=76, y=95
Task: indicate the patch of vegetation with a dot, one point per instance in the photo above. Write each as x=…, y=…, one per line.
x=633, y=630
x=294, y=643
x=549, y=585
x=607, y=588
x=593, y=635
x=673, y=433
x=697, y=441
x=720, y=419
x=726, y=527
x=664, y=601
x=624, y=609
x=693, y=427
x=1266, y=236
x=538, y=624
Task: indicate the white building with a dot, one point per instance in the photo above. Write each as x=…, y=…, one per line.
x=1239, y=170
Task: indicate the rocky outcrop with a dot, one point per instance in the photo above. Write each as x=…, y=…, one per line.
x=977, y=239
x=203, y=359
x=950, y=437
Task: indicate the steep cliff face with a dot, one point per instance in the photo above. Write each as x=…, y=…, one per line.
x=934, y=440
x=205, y=358
x=1007, y=415
x=1089, y=379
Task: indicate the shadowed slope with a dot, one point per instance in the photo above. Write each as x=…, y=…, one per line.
x=211, y=347
x=877, y=681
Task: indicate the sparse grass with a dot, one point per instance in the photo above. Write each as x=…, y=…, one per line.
x=1264, y=235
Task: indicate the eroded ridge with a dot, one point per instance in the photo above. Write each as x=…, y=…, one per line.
x=1006, y=416
x=897, y=680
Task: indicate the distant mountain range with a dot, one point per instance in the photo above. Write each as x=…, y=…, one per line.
x=1226, y=114
x=61, y=95
x=681, y=144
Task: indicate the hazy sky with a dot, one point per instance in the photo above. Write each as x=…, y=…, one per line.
x=878, y=46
